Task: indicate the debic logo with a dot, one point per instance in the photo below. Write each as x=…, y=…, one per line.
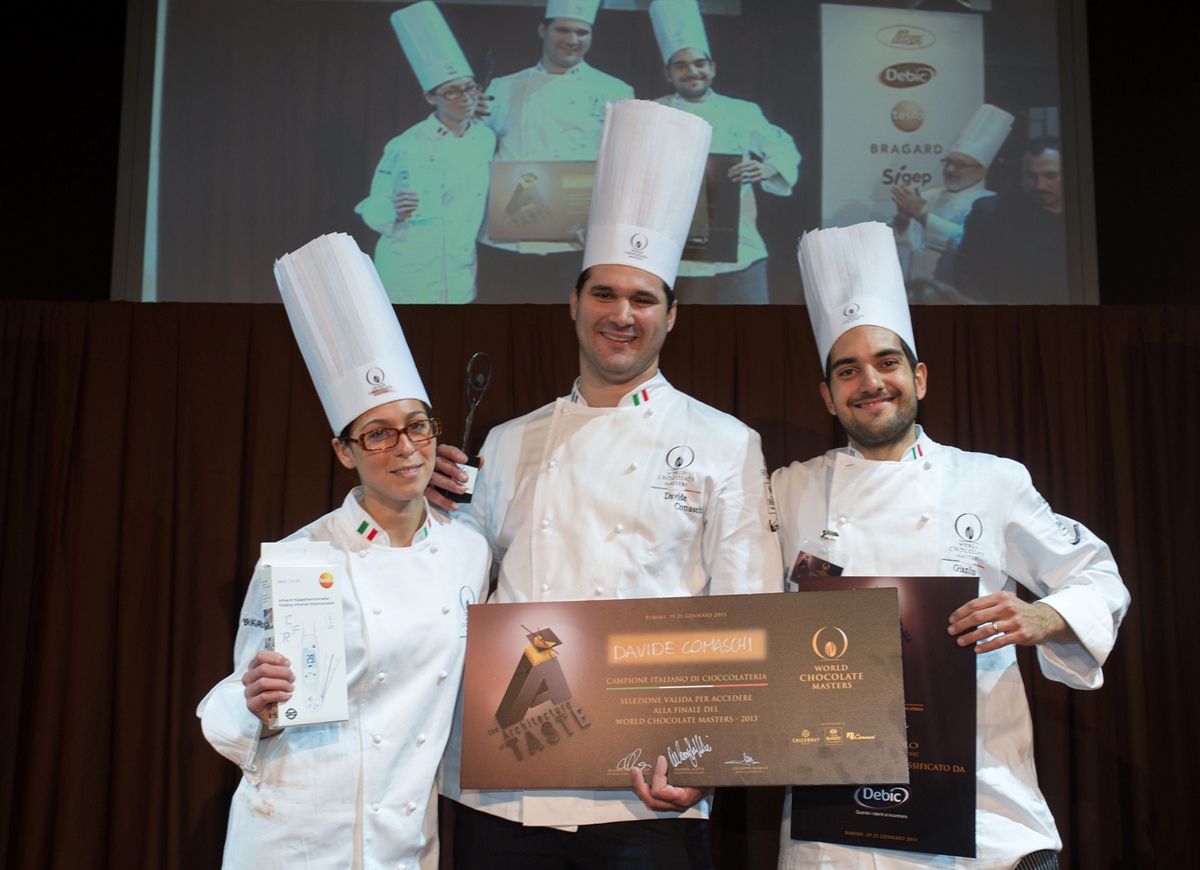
x=907, y=75
x=873, y=797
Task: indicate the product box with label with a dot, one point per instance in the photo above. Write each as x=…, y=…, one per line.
x=302, y=612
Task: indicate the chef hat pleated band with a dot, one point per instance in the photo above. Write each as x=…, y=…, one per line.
x=678, y=25
x=984, y=134
x=581, y=10
x=852, y=278
x=648, y=176
x=346, y=329
x=430, y=47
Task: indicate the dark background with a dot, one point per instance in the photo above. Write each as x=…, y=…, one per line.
x=64, y=104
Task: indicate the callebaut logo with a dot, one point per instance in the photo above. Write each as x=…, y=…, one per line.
x=905, y=36
x=907, y=75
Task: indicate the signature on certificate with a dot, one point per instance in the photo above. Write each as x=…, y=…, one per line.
x=691, y=750
x=631, y=761
x=745, y=759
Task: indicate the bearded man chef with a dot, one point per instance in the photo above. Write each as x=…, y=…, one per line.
x=892, y=497
x=571, y=495
x=768, y=154
x=929, y=224
x=551, y=111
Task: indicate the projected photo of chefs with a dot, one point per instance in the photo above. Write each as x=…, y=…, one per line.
x=910, y=114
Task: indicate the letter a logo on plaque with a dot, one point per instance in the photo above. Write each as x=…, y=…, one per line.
x=538, y=679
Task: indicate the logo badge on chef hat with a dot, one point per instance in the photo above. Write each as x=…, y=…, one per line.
x=375, y=376
x=639, y=241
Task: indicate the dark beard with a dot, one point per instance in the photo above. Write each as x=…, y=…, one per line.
x=874, y=437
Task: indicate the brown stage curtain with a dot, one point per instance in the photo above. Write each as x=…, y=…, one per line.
x=148, y=449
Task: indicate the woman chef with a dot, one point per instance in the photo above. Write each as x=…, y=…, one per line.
x=356, y=793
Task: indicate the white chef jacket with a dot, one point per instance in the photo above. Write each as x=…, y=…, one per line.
x=920, y=247
x=356, y=793
x=945, y=511
x=431, y=256
x=538, y=115
x=661, y=496
x=739, y=127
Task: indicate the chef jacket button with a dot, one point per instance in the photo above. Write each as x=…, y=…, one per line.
x=633, y=466
x=442, y=677
x=374, y=808
x=420, y=739
x=842, y=520
x=649, y=413
x=378, y=738
x=432, y=549
x=924, y=518
x=380, y=677
x=553, y=463
x=362, y=554
x=252, y=767
x=411, y=808
x=618, y=528
x=928, y=465
x=599, y=589
x=445, y=609
x=377, y=610
x=545, y=524
x=545, y=587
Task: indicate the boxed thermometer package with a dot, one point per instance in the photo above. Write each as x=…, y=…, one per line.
x=302, y=612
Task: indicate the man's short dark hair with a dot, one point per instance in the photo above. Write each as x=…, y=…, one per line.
x=908, y=355
x=1040, y=144
x=587, y=273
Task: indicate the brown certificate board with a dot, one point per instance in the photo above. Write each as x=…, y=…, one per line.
x=539, y=201
x=766, y=689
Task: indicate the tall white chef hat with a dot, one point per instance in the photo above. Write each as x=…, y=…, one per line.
x=678, y=25
x=984, y=134
x=648, y=176
x=346, y=329
x=582, y=10
x=852, y=278
x=430, y=47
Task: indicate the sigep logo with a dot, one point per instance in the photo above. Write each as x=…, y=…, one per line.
x=880, y=797
x=830, y=642
x=375, y=376
x=906, y=37
x=639, y=241
x=907, y=75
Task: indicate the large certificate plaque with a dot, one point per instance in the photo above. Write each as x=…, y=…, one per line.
x=731, y=689
x=935, y=811
x=539, y=201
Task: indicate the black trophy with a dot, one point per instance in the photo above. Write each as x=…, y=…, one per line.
x=479, y=375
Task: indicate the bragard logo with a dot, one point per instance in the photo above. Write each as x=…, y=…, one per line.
x=375, y=376
x=969, y=527
x=879, y=798
x=907, y=75
x=851, y=309
x=905, y=36
x=680, y=457
x=830, y=642
x=639, y=241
